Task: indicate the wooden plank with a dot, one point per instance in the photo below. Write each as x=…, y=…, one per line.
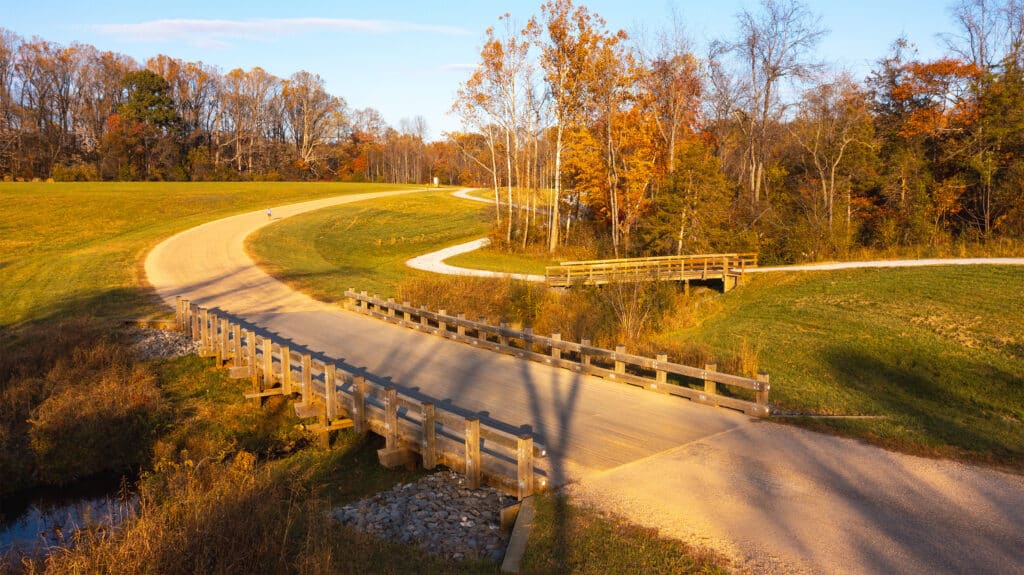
x=261, y=394
x=472, y=452
x=330, y=392
x=225, y=341
x=429, y=448
x=254, y=372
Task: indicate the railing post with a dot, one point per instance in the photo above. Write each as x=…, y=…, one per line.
x=286, y=370
x=197, y=334
x=268, y=363
x=556, y=353
x=204, y=331
x=524, y=471
x=254, y=370
x=710, y=387
x=307, y=377
x=429, y=436
x=390, y=418
x=472, y=452
x=441, y=324
x=236, y=333
x=179, y=316
x=405, y=312
x=502, y=340
x=620, y=366
x=350, y=301
x=359, y=403
x=225, y=341
x=481, y=334
x=423, y=317
x=762, y=394
x=461, y=329
x=330, y=392
x=214, y=338
x=391, y=307
x=660, y=375
x=584, y=357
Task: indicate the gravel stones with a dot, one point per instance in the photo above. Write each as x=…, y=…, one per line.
x=157, y=343
x=439, y=514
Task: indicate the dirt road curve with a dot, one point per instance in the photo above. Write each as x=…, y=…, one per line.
x=776, y=498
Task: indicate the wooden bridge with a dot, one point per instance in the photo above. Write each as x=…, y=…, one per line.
x=331, y=399
x=726, y=267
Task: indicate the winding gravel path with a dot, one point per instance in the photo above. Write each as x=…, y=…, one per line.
x=775, y=498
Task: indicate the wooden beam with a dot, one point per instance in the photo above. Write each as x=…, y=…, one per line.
x=268, y=362
x=330, y=391
x=237, y=334
x=286, y=369
x=359, y=403
x=307, y=378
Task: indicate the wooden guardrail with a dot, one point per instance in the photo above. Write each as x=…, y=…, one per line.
x=617, y=365
x=726, y=267
x=341, y=400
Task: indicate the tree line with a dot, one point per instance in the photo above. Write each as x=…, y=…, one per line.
x=78, y=113
x=755, y=144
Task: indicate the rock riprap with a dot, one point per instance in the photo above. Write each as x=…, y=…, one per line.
x=439, y=514
x=157, y=343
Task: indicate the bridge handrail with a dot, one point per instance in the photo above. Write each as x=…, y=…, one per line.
x=504, y=458
x=500, y=338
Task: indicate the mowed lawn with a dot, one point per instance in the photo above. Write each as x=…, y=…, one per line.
x=365, y=245
x=938, y=352
x=78, y=248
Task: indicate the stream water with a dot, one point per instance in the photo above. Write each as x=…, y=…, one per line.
x=35, y=521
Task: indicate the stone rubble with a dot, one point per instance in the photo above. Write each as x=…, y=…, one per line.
x=157, y=343
x=439, y=514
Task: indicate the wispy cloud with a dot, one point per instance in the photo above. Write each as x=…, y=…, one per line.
x=209, y=33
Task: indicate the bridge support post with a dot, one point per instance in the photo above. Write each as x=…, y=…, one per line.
x=213, y=341
x=584, y=357
x=660, y=375
x=225, y=341
x=502, y=339
x=429, y=436
x=236, y=359
x=481, y=334
x=391, y=307
x=307, y=378
x=351, y=302
x=204, y=331
x=359, y=403
x=461, y=329
x=405, y=312
x=268, y=363
x=286, y=370
x=179, y=315
x=441, y=324
x=524, y=464
x=472, y=452
x=620, y=366
x=556, y=353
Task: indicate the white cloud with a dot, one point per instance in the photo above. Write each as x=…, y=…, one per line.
x=219, y=32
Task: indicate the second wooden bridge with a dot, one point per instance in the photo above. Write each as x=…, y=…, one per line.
x=726, y=267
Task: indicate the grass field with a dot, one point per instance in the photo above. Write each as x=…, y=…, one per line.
x=937, y=351
x=72, y=248
x=364, y=245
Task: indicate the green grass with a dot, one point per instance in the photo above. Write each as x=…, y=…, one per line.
x=78, y=248
x=937, y=351
x=364, y=245
x=568, y=538
x=493, y=259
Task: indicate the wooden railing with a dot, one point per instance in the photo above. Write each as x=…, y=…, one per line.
x=340, y=400
x=726, y=267
x=617, y=365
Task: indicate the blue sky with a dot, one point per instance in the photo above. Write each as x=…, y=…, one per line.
x=407, y=58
